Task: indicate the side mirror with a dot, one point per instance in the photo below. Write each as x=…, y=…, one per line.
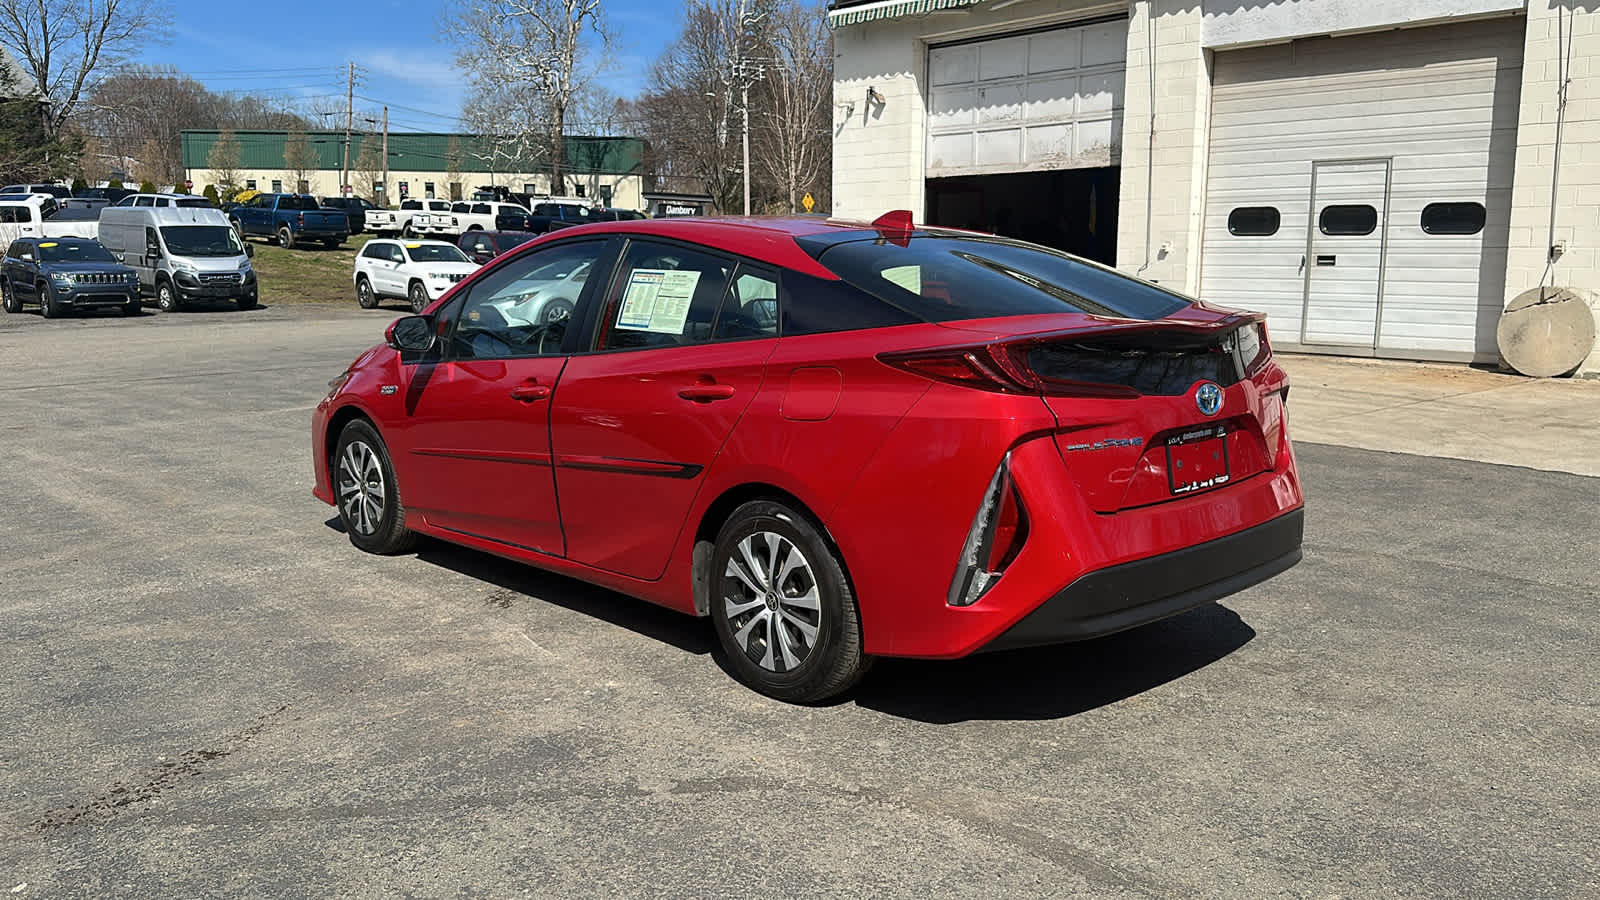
x=411, y=334
x=153, y=251
x=250, y=250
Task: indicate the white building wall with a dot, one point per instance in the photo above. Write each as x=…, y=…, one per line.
x=627, y=190
x=1577, y=199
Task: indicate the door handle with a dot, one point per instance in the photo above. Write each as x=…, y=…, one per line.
x=1302, y=263
x=705, y=393
x=530, y=393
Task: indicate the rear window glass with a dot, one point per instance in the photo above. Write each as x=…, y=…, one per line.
x=1453, y=218
x=298, y=203
x=941, y=279
x=411, y=204
x=195, y=203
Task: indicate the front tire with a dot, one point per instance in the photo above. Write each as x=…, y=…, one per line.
x=555, y=311
x=365, y=298
x=166, y=297
x=47, y=307
x=782, y=607
x=367, y=494
x=418, y=295
x=132, y=309
x=248, y=301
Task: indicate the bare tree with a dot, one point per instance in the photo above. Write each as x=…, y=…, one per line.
x=792, y=145
x=369, y=169
x=63, y=45
x=300, y=160
x=224, y=161
x=539, y=45
x=452, y=168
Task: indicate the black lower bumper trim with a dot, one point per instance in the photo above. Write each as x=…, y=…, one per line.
x=1146, y=590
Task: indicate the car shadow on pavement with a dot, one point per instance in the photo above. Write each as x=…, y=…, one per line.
x=1058, y=681
x=525, y=582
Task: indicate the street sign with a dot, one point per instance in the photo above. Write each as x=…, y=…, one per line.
x=808, y=201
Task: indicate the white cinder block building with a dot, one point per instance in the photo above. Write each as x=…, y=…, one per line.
x=1376, y=175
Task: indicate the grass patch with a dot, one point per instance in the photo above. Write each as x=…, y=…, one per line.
x=310, y=274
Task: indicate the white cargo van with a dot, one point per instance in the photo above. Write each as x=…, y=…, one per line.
x=181, y=253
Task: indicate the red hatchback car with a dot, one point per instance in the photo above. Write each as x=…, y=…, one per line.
x=838, y=441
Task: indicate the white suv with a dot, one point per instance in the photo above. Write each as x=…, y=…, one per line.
x=419, y=271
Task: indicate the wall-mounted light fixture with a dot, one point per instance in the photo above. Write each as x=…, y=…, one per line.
x=874, y=98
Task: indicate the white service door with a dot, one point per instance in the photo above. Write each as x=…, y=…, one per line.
x=1344, y=265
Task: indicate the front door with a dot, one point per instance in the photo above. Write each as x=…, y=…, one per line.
x=477, y=437
x=682, y=344
x=1345, y=253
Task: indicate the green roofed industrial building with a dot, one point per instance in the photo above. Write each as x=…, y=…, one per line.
x=608, y=170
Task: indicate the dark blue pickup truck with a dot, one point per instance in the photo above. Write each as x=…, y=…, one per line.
x=292, y=219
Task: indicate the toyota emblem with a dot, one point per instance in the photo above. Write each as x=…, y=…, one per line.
x=1208, y=397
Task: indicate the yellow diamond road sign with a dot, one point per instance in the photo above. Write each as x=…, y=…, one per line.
x=808, y=201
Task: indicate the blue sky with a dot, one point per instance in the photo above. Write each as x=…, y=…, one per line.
x=396, y=46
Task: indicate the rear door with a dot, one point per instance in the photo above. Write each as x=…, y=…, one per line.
x=639, y=420
x=477, y=437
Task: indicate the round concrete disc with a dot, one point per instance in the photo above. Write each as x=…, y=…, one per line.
x=1546, y=332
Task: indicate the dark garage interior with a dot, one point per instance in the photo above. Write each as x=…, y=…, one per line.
x=1072, y=209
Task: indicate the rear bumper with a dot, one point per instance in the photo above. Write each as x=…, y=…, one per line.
x=1146, y=590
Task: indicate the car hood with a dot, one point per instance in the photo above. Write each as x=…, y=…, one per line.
x=77, y=267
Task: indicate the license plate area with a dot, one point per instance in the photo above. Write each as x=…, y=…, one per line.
x=1197, y=460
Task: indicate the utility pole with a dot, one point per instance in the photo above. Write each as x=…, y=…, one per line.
x=349, y=119
x=745, y=103
x=386, y=156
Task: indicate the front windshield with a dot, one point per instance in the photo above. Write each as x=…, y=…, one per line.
x=202, y=240
x=435, y=253
x=74, y=251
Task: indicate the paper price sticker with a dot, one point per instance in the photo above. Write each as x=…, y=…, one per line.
x=657, y=300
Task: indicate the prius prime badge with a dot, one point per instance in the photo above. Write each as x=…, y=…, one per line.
x=1209, y=398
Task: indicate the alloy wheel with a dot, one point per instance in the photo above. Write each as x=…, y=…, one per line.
x=769, y=593
x=361, y=488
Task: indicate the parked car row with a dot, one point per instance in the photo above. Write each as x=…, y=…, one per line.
x=442, y=218
x=64, y=259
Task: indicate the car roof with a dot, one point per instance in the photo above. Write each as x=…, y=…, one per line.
x=407, y=243
x=769, y=239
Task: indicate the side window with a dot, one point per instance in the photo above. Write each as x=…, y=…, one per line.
x=396, y=254
x=145, y=201
x=1453, y=218
x=8, y=214
x=374, y=251
x=480, y=209
x=461, y=207
x=664, y=296
x=1254, y=221
x=818, y=306
x=15, y=250
x=750, y=308
x=523, y=309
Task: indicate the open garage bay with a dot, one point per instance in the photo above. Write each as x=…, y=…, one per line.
x=208, y=691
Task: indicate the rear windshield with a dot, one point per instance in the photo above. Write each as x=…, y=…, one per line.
x=67, y=250
x=942, y=278
x=194, y=203
x=411, y=204
x=298, y=203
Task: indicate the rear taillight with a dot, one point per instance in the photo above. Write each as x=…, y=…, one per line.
x=1001, y=368
x=997, y=534
x=301, y=219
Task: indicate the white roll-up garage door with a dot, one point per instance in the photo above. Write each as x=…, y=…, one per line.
x=1359, y=188
x=1032, y=102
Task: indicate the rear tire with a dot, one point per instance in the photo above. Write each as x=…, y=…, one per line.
x=782, y=607
x=332, y=244
x=11, y=303
x=418, y=295
x=366, y=493
x=365, y=298
x=237, y=228
x=166, y=297
x=285, y=238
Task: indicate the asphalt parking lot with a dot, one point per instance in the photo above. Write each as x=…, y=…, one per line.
x=209, y=692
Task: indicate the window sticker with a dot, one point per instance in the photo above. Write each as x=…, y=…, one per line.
x=657, y=300
x=48, y=244
x=908, y=277
x=413, y=246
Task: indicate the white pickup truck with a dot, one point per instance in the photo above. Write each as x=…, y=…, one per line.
x=476, y=215
x=41, y=215
x=407, y=220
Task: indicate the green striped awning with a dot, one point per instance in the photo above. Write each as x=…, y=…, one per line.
x=890, y=9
